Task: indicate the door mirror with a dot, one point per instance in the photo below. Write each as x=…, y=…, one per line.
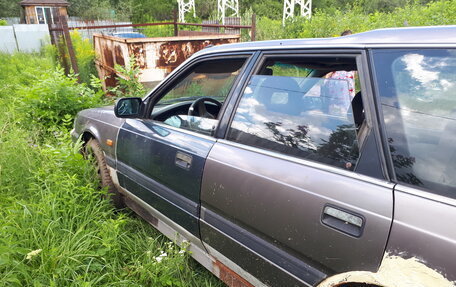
x=128, y=108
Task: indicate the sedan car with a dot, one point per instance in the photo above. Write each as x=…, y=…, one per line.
x=307, y=162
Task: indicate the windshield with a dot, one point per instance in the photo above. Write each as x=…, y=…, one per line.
x=210, y=79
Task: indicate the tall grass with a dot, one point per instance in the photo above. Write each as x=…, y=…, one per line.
x=331, y=22
x=55, y=228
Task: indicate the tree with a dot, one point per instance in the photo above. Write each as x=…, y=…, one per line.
x=10, y=8
x=91, y=9
x=152, y=10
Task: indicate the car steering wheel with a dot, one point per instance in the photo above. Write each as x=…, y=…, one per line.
x=198, y=108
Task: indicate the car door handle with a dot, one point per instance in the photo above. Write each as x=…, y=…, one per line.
x=343, y=220
x=183, y=160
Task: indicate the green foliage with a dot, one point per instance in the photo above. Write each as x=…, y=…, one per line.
x=330, y=23
x=144, y=10
x=3, y=22
x=158, y=31
x=206, y=9
x=55, y=99
x=141, y=11
x=128, y=84
x=272, y=9
x=10, y=8
x=20, y=70
x=168, y=30
x=91, y=9
x=85, y=56
x=268, y=29
x=56, y=229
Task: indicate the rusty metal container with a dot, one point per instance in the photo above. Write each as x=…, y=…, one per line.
x=156, y=57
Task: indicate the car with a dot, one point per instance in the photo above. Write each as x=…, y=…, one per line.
x=278, y=173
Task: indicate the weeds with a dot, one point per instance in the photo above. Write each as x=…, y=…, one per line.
x=55, y=98
x=55, y=228
x=85, y=56
x=128, y=84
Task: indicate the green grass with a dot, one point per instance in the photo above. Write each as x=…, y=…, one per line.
x=55, y=228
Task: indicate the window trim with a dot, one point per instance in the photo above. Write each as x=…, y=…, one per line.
x=371, y=108
x=156, y=94
x=44, y=14
x=360, y=56
x=387, y=156
x=262, y=57
x=313, y=164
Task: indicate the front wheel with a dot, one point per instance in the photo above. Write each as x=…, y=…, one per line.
x=93, y=148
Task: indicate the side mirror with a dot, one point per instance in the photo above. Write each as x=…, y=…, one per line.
x=128, y=108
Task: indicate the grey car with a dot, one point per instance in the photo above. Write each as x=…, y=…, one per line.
x=307, y=162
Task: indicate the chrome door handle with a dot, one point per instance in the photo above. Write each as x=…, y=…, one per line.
x=343, y=220
x=183, y=160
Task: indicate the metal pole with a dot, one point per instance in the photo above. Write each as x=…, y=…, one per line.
x=176, y=28
x=253, y=31
x=61, y=53
x=52, y=34
x=66, y=33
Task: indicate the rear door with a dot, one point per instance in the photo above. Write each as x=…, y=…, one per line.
x=161, y=158
x=418, y=104
x=296, y=191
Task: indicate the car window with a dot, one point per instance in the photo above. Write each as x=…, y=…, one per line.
x=308, y=115
x=417, y=91
x=194, y=101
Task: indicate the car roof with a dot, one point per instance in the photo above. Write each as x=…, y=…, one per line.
x=389, y=37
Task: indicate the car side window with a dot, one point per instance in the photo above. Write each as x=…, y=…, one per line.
x=417, y=93
x=194, y=101
x=292, y=106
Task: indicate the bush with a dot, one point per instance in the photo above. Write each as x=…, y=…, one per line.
x=268, y=29
x=55, y=99
x=3, y=22
x=128, y=84
x=41, y=96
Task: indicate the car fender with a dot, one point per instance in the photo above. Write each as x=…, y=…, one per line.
x=92, y=130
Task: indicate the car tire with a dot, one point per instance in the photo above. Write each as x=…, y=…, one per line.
x=93, y=148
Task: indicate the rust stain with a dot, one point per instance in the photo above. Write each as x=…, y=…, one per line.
x=110, y=80
x=107, y=53
x=141, y=211
x=139, y=52
x=172, y=54
x=231, y=278
x=119, y=56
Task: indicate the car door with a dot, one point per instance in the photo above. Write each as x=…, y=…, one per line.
x=160, y=159
x=419, y=120
x=296, y=190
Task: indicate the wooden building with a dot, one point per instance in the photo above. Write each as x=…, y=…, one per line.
x=43, y=11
